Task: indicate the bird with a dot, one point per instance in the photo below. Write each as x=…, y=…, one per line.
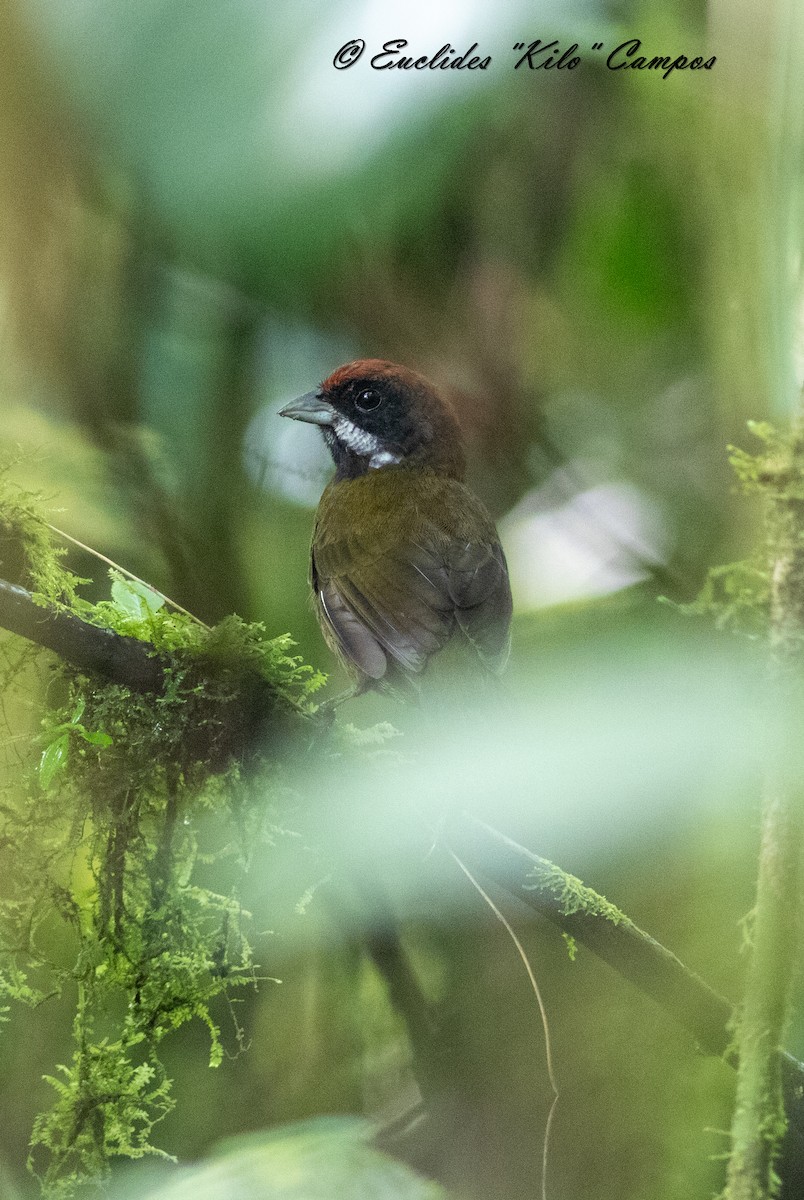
x=404, y=557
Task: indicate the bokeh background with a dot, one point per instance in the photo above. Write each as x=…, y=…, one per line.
x=200, y=218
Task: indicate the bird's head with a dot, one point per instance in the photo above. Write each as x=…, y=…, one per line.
x=376, y=414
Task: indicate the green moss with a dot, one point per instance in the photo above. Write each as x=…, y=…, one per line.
x=27, y=553
x=737, y=596
x=778, y=470
x=572, y=946
x=100, y=827
x=572, y=895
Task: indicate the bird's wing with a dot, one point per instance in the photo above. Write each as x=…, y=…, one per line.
x=404, y=603
x=481, y=591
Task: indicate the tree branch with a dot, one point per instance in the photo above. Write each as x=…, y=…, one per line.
x=592, y=921
x=577, y=910
x=255, y=712
x=89, y=647
x=759, y=1118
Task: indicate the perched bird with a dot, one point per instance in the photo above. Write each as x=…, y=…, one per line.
x=404, y=557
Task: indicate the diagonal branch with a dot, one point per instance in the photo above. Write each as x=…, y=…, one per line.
x=592, y=921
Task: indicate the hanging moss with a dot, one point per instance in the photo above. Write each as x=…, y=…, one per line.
x=99, y=831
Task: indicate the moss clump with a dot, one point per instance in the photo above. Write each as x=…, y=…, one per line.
x=27, y=554
x=102, y=827
x=778, y=470
x=737, y=596
x=572, y=946
x=572, y=895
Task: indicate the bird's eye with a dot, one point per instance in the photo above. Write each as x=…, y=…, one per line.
x=368, y=400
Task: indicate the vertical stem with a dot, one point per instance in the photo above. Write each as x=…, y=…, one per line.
x=759, y=1120
x=753, y=166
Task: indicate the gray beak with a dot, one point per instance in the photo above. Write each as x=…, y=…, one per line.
x=311, y=407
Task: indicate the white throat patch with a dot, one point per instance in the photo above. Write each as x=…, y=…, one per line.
x=361, y=443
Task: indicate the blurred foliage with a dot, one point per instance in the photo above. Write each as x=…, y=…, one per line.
x=200, y=218
x=311, y=1161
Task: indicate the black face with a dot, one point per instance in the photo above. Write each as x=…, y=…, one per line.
x=382, y=409
x=376, y=415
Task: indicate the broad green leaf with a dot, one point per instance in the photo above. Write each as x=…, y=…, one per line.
x=136, y=599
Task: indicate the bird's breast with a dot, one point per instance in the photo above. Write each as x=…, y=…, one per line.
x=391, y=505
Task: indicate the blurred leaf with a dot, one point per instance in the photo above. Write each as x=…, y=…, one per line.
x=627, y=236
x=316, y=1160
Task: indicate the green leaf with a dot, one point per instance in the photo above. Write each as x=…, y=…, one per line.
x=136, y=599
x=98, y=738
x=54, y=758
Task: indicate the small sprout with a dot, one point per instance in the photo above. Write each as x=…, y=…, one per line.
x=96, y=738
x=54, y=759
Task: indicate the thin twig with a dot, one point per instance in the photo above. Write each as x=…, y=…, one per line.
x=592, y=921
x=548, y=1051
x=599, y=925
x=128, y=574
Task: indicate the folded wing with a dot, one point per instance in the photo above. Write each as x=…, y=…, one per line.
x=399, y=607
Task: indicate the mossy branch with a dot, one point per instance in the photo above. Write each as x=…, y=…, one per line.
x=580, y=912
x=251, y=707
x=148, y=724
x=90, y=648
x=592, y=921
x=249, y=700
